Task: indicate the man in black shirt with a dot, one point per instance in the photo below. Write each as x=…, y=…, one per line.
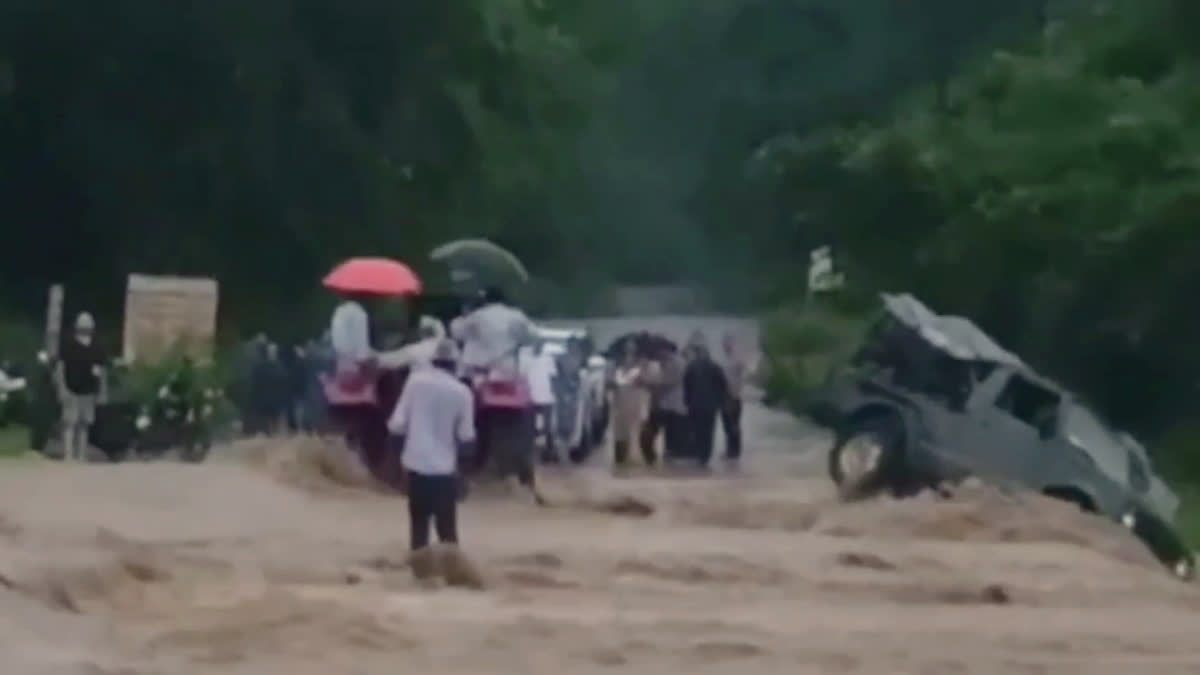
x=705, y=392
x=78, y=376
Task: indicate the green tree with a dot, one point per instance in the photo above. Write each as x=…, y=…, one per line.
x=1050, y=192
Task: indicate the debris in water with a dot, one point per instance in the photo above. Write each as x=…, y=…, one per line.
x=866, y=561
x=628, y=506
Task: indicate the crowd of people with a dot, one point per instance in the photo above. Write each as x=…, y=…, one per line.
x=275, y=387
x=430, y=425
x=666, y=400
x=679, y=395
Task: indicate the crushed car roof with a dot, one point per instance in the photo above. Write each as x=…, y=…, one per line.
x=955, y=335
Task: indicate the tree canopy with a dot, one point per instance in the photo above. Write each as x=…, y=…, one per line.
x=260, y=143
x=1030, y=163
x=1051, y=192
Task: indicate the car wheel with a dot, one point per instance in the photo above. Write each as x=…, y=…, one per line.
x=863, y=460
x=116, y=453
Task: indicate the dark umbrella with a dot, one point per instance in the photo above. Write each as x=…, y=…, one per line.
x=477, y=263
x=648, y=344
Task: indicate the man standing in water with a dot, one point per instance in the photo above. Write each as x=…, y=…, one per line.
x=736, y=368
x=434, y=422
x=491, y=337
x=705, y=393
x=540, y=369
x=79, y=376
x=350, y=390
x=668, y=409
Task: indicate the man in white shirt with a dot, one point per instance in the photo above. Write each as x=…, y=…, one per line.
x=491, y=334
x=435, y=423
x=539, y=367
x=349, y=332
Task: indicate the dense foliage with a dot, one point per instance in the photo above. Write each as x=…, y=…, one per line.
x=1038, y=174
x=260, y=142
x=1051, y=193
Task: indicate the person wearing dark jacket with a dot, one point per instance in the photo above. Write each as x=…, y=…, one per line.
x=291, y=360
x=268, y=392
x=79, y=378
x=705, y=392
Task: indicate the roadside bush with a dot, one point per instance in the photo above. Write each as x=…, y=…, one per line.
x=19, y=339
x=200, y=383
x=800, y=345
x=1175, y=454
x=1176, y=458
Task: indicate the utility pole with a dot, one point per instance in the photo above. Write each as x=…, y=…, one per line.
x=54, y=309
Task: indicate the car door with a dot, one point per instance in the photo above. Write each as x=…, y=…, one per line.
x=1003, y=440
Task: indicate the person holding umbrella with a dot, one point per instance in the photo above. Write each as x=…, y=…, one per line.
x=351, y=391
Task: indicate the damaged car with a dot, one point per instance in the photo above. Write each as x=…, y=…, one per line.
x=929, y=399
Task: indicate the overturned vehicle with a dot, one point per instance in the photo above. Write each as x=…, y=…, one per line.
x=928, y=399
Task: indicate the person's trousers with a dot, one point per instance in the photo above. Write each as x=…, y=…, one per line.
x=731, y=423
x=291, y=416
x=432, y=498
x=78, y=414
x=505, y=442
x=673, y=427
x=621, y=453
x=702, y=425
x=365, y=430
x=75, y=442
x=545, y=429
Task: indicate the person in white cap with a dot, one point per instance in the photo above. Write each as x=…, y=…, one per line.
x=434, y=422
x=79, y=378
x=420, y=353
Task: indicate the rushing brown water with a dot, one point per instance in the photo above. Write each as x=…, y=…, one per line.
x=274, y=560
x=268, y=561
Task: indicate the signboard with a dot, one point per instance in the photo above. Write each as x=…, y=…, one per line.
x=162, y=312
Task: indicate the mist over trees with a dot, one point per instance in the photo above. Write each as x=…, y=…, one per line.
x=1030, y=163
x=259, y=142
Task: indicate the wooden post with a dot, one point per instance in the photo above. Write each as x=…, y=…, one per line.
x=54, y=309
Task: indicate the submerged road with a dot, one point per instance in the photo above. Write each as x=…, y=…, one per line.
x=265, y=561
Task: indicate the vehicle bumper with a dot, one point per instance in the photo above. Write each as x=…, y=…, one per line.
x=1163, y=540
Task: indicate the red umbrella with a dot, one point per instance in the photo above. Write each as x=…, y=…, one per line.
x=378, y=276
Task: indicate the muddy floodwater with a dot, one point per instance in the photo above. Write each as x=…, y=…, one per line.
x=272, y=560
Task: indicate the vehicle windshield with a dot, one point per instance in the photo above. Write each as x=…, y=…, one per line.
x=914, y=364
